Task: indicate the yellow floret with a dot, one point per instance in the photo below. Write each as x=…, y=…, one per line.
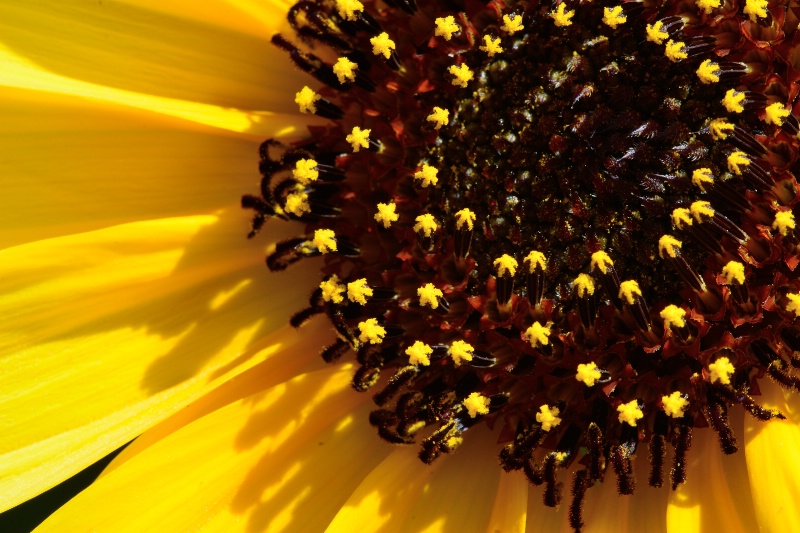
x=755, y=9
x=630, y=413
x=680, y=217
x=613, y=17
x=737, y=160
x=675, y=404
x=324, y=240
x=349, y=9
x=429, y=295
x=440, y=117
x=345, y=70
x=784, y=221
x=358, y=291
x=601, y=261
x=512, y=24
x=427, y=175
x=733, y=101
x=673, y=316
x=305, y=171
x=370, y=331
x=794, y=303
x=386, y=214
x=537, y=335
x=535, y=260
x=701, y=210
x=382, y=45
x=675, y=51
x=655, y=33
x=584, y=285
x=718, y=127
x=358, y=138
x=708, y=5
x=561, y=16
x=548, y=416
x=476, y=404
x=419, y=353
x=465, y=217
x=668, y=246
x=733, y=272
x=306, y=99
x=629, y=290
x=776, y=113
x=297, y=204
x=491, y=45
x=461, y=75
x=461, y=351
x=332, y=290
x=702, y=177
x=505, y=264
x=721, y=370
x=426, y=224
x=588, y=374
x=446, y=27
x=708, y=72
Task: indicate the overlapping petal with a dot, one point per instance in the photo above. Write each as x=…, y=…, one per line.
x=773, y=462
x=284, y=459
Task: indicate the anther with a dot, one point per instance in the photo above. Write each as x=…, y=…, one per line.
x=512, y=24
x=400, y=378
x=506, y=267
x=552, y=488
x=682, y=443
x=491, y=45
x=465, y=220
x=631, y=294
x=623, y=468
x=426, y=175
x=562, y=17
x=669, y=249
x=733, y=274
x=784, y=222
x=584, y=289
x=755, y=9
x=580, y=483
x=429, y=296
x=776, y=113
x=613, y=17
x=446, y=27
x=462, y=74
x=386, y=214
x=537, y=335
x=717, y=415
x=311, y=102
x=537, y=266
x=595, y=444
x=440, y=117
x=359, y=139
x=708, y=5
x=602, y=262
x=588, y=373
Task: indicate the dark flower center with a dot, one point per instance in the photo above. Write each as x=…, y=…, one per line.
x=573, y=221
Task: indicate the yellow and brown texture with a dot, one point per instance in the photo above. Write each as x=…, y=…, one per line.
x=572, y=222
x=132, y=305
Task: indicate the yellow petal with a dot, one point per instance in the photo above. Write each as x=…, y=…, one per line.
x=456, y=493
x=108, y=332
x=281, y=460
x=773, y=462
x=716, y=495
x=145, y=59
x=253, y=17
x=70, y=165
x=510, y=512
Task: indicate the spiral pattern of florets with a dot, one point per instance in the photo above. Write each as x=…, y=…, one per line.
x=573, y=221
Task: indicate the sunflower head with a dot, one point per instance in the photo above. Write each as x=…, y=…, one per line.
x=572, y=222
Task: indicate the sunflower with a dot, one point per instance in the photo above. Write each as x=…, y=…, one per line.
x=133, y=306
